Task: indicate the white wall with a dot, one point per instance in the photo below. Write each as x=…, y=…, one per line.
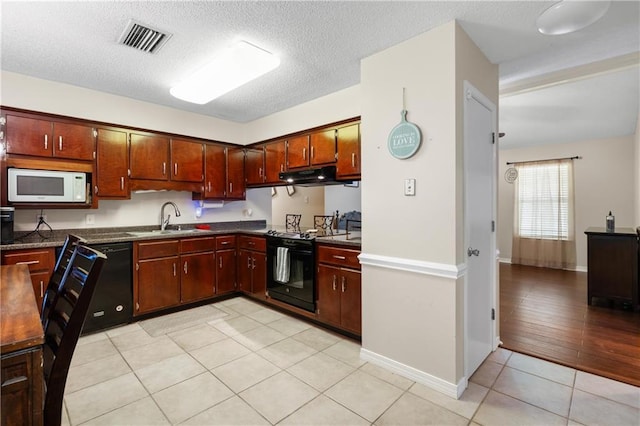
x=342, y=198
x=637, y=171
x=415, y=320
x=602, y=180
x=306, y=201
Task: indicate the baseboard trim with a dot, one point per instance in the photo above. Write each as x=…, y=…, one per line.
x=443, y=270
x=450, y=389
x=576, y=269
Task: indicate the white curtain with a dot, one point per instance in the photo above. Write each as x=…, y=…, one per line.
x=544, y=231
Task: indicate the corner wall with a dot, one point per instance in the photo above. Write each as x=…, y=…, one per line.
x=411, y=296
x=637, y=171
x=601, y=181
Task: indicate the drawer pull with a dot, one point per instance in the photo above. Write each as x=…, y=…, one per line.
x=335, y=279
x=14, y=380
x=46, y=141
x=164, y=168
x=60, y=143
x=344, y=284
x=28, y=262
x=335, y=256
x=122, y=183
x=185, y=268
x=224, y=243
x=175, y=169
x=220, y=262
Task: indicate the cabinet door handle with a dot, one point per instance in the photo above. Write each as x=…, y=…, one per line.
x=41, y=288
x=248, y=263
x=46, y=141
x=253, y=263
x=185, y=267
x=281, y=167
x=230, y=188
x=175, y=169
x=335, y=256
x=344, y=284
x=28, y=262
x=353, y=159
x=304, y=153
x=335, y=279
x=174, y=269
x=260, y=171
x=164, y=168
x=95, y=189
x=60, y=143
x=122, y=183
x=209, y=185
x=312, y=152
x=220, y=262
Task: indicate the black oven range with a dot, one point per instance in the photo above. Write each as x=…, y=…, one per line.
x=290, y=268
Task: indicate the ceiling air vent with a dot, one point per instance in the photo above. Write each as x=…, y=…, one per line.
x=143, y=37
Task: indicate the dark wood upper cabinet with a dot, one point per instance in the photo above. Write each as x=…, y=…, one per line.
x=187, y=161
x=274, y=161
x=254, y=166
x=348, y=147
x=235, y=174
x=112, y=162
x=298, y=152
x=323, y=147
x=73, y=141
x=149, y=157
x=45, y=138
x=215, y=173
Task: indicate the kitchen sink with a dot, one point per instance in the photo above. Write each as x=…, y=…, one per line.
x=163, y=232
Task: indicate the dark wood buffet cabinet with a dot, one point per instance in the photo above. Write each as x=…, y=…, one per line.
x=613, y=266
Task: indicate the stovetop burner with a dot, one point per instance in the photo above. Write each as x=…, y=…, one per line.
x=291, y=235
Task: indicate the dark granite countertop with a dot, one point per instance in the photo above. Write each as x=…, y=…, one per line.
x=46, y=238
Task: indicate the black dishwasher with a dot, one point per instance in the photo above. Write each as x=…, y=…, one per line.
x=112, y=300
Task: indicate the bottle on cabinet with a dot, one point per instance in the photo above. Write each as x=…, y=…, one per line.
x=611, y=222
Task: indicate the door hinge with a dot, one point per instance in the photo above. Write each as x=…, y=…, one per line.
x=493, y=226
x=137, y=306
x=493, y=314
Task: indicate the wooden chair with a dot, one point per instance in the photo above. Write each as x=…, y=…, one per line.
x=64, y=324
x=58, y=272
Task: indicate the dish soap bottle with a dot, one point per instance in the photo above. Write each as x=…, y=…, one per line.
x=611, y=222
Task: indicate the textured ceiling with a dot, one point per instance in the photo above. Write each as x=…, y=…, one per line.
x=320, y=44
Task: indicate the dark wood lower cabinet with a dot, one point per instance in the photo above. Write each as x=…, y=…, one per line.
x=22, y=393
x=613, y=266
x=226, y=271
x=157, y=283
x=339, y=285
x=198, y=280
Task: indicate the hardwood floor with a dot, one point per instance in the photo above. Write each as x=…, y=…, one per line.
x=544, y=313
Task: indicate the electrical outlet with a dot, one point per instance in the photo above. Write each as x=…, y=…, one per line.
x=90, y=219
x=40, y=217
x=409, y=187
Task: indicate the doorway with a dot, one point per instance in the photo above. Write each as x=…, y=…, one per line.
x=480, y=284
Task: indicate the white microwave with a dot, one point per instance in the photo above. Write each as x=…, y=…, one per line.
x=46, y=186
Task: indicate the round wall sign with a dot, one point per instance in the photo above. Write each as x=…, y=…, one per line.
x=404, y=140
x=511, y=174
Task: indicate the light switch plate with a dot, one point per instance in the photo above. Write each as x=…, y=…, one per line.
x=90, y=219
x=409, y=187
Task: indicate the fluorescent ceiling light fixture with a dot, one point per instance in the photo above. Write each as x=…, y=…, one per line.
x=568, y=16
x=230, y=69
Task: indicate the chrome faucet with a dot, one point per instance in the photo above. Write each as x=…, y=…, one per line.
x=163, y=222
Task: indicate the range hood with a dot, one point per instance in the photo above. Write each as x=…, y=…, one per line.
x=311, y=177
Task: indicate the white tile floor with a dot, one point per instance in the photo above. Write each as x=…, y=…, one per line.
x=256, y=366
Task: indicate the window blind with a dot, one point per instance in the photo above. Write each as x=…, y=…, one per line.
x=543, y=199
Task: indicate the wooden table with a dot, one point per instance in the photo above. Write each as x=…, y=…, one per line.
x=21, y=339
